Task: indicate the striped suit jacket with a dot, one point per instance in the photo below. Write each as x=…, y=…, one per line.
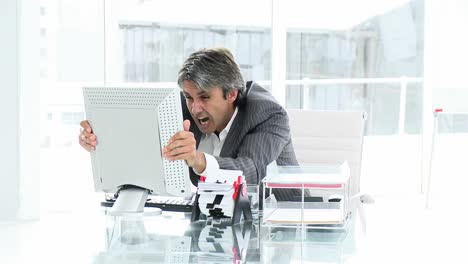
x=259, y=135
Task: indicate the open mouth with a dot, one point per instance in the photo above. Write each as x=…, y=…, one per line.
x=203, y=121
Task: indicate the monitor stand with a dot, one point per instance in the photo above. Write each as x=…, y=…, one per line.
x=131, y=200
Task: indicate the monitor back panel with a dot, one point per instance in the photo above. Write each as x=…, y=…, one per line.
x=132, y=125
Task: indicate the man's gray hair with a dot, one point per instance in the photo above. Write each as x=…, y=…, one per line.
x=215, y=67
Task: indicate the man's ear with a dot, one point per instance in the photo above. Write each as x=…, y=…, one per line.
x=232, y=95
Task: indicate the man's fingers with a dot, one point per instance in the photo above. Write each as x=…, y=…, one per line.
x=181, y=135
x=87, y=138
x=175, y=147
x=85, y=145
x=179, y=153
x=186, y=125
x=86, y=126
x=83, y=138
x=180, y=145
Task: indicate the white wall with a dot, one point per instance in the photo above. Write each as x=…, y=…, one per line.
x=446, y=39
x=19, y=105
x=9, y=159
x=28, y=105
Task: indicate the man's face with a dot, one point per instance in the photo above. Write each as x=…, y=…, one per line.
x=210, y=110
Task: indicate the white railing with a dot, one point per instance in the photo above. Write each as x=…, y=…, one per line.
x=73, y=95
x=403, y=81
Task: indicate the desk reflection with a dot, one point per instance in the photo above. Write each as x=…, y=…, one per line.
x=172, y=238
x=303, y=245
x=140, y=239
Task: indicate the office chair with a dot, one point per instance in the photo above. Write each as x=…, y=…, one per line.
x=331, y=137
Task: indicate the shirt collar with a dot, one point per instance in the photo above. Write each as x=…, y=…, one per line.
x=228, y=126
x=225, y=131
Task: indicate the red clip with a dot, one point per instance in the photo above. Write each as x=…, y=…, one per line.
x=236, y=185
x=237, y=258
x=438, y=110
x=202, y=178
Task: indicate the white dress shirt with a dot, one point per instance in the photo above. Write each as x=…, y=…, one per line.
x=211, y=145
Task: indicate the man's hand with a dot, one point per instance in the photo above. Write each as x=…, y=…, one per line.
x=87, y=139
x=182, y=146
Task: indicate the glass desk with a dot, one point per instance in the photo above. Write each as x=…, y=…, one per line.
x=171, y=238
x=399, y=230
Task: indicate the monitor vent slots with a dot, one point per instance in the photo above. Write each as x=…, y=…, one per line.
x=128, y=96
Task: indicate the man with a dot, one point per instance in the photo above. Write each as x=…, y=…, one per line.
x=228, y=124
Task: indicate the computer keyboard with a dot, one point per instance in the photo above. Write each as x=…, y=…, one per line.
x=164, y=203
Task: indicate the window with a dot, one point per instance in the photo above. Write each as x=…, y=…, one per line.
x=154, y=53
x=374, y=64
x=72, y=118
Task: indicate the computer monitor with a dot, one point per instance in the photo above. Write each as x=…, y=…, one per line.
x=132, y=124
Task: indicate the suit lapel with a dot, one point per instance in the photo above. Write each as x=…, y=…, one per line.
x=232, y=139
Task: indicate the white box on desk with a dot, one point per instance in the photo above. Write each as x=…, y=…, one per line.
x=330, y=182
